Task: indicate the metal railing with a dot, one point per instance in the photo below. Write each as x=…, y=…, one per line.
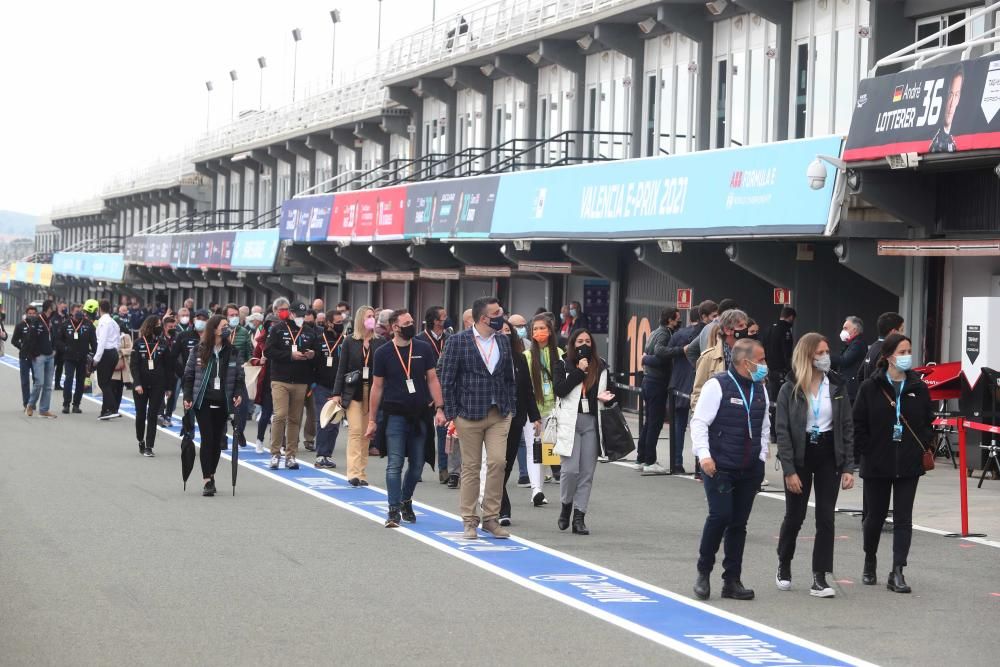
x=75, y=209
x=479, y=28
x=919, y=56
x=98, y=244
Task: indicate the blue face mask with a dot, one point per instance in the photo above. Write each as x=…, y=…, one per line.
x=904, y=362
x=199, y=325
x=572, y=312
x=522, y=331
x=759, y=373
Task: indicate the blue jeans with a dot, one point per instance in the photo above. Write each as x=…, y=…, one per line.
x=442, y=436
x=25, y=366
x=326, y=438
x=404, y=440
x=522, y=459
x=43, y=369
x=266, y=410
x=654, y=398
x=730, y=496
x=678, y=427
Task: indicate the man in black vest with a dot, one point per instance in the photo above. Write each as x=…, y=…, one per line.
x=730, y=430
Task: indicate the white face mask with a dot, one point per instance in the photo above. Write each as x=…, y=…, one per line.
x=299, y=321
x=845, y=335
x=185, y=320
x=822, y=363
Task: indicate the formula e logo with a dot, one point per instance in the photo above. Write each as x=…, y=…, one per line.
x=862, y=100
x=569, y=578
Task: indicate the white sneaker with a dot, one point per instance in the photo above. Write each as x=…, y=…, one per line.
x=637, y=466
x=654, y=469
x=260, y=446
x=764, y=484
x=602, y=459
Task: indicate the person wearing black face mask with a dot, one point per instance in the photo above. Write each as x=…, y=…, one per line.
x=328, y=346
x=407, y=381
x=77, y=340
x=152, y=378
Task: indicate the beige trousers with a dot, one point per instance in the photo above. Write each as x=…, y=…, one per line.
x=472, y=435
x=288, y=401
x=357, y=444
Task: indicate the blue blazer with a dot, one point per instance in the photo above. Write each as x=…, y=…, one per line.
x=469, y=388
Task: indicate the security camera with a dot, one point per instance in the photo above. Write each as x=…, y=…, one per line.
x=996, y=170
x=816, y=174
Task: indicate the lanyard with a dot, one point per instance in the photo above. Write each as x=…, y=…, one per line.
x=331, y=350
x=150, y=353
x=295, y=338
x=746, y=403
x=76, y=327
x=409, y=360
x=488, y=354
x=816, y=403
x=437, y=348
x=46, y=323
x=366, y=350
x=899, y=396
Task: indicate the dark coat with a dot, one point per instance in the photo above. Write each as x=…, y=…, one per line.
x=80, y=347
x=527, y=407
x=162, y=376
x=792, y=414
x=848, y=362
x=196, y=381
x=352, y=358
x=874, y=417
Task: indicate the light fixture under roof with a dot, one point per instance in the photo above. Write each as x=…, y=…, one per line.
x=487, y=69
x=647, y=25
x=535, y=57
x=716, y=7
x=585, y=42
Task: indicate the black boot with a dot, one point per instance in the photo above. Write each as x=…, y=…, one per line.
x=868, y=577
x=897, y=583
x=407, y=513
x=702, y=587
x=564, y=515
x=821, y=589
x=734, y=590
x=579, y=527
x=66, y=409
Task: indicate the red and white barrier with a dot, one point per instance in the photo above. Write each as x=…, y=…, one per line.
x=961, y=426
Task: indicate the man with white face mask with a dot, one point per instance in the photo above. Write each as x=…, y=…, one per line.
x=289, y=351
x=852, y=354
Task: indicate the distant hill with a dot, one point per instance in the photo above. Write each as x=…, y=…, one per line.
x=17, y=225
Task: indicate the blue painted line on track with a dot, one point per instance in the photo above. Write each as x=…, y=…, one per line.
x=698, y=630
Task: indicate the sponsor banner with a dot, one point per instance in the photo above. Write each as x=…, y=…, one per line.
x=741, y=191
x=946, y=109
x=226, y=250
x=255, y=250
x=94, y=265
x=306, y=219
x=451, y=208
x=31, y=273
x=367, y=215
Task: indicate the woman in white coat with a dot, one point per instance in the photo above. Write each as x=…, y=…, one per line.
x=581, y=382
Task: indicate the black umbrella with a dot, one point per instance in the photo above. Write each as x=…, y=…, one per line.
x=239, y=440
x=187, y=447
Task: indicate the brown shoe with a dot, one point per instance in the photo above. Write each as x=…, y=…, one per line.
x=29, y=411
x=494, y=528
x=470, y=531
x=47, y=414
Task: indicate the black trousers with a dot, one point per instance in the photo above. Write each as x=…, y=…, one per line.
x=105, y=369
x=877, y=492
x=76, y=375
x=212, y=428
x=513, y=444
x=821, y=472
x=59, y=359
x=730, y=495
x=147, y=409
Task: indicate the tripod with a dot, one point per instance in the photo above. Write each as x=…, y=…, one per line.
x=992, y=461
x=943, y=438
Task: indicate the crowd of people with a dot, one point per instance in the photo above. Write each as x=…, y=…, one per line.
x=475, y=401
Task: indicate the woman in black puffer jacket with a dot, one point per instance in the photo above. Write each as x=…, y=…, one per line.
x=213, y=374
x=893, y=418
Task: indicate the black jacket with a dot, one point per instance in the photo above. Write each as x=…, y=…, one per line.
x=874, y=418
x=184, y=343
x=195, y=381
x=326, y=375
x=848, y=362
x=22, y=340
x=352, y=359
x=659, y=357
x=162, y=376
x=76, y=344
x=437, y=346
x=278, y=350
x=870, y=361
x=779, y=346
x=527, y=407
x=38, y=335
x=792, y=414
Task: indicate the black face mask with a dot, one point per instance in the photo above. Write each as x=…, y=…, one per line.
x=337, y=329
x=78, y=316
x=496, y=323
x=408, y=332
x=740, y=334
x=583, y=352
x=157, y=331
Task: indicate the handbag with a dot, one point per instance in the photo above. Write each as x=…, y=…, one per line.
x=927, y=456
x=352, y=378
x=616, y=437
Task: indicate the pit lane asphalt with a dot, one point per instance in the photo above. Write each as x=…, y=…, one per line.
x=103, y=560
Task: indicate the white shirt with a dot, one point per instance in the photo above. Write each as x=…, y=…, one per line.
x=825, y=409
x=108, y=336
x=490, y=346
x=704, y=415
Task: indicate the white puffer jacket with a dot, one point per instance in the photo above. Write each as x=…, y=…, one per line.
x=566, y=411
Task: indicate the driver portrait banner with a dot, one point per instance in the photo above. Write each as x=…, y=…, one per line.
x=945, y=109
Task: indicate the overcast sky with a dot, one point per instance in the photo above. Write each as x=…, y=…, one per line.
x=91, y=89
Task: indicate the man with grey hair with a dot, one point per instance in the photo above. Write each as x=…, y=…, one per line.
x=279, y=303
x=852, y=354
x=730, y=328
x=730, y=431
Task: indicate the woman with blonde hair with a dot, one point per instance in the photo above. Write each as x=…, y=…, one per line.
x=354, y=377
x=815, y=433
